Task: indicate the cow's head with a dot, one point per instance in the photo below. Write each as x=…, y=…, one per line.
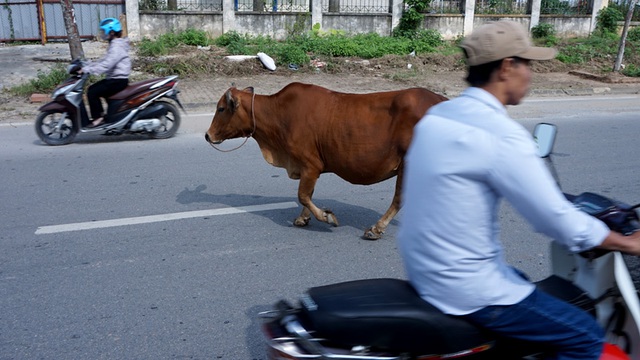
x=233, y=117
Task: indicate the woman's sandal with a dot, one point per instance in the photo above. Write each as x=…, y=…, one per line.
x=94, y=124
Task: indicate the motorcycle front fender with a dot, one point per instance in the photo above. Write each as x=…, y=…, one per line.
x=54, y=106
x=62, y=107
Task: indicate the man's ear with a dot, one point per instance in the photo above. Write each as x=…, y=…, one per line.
x=506, y=67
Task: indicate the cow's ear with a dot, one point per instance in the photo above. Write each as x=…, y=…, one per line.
x=248, y=90
x=232, y=101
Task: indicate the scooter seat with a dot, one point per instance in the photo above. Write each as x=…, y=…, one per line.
x=134, y=88
x=387, y=314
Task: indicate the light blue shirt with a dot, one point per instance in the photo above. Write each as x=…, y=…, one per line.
x=465, y=155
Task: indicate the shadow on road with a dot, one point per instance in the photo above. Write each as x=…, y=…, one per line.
x=348, y=215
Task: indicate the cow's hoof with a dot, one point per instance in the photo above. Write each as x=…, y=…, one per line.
x=301, y=221
x=372, y=234
x=330, y=218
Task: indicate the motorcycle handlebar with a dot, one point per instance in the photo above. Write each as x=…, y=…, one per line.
x=618, y=216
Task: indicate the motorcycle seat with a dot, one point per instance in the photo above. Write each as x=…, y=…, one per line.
x=389, y=314
x=134, y=88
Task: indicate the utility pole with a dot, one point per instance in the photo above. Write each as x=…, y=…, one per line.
x=75, y=46
x=623, y=38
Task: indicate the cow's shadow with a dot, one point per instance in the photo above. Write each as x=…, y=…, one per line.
x=348, y=215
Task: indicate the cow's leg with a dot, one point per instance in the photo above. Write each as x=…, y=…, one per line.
x=303, y=219
x=375, y=232
x=305, y=192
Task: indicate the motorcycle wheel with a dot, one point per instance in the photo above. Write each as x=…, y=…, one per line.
x=55, y=127
x=171, y=122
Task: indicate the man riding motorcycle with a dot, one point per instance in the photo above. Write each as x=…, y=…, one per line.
x=467, y=154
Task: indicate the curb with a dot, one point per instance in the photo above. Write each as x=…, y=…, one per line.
x=603, y=90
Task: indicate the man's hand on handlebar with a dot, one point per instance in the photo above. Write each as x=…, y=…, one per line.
x=627, y=244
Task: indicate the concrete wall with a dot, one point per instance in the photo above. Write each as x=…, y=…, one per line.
x=354, y=23
x=162, y=22
x=568, y=27
x=450, y=26
x=277, y=24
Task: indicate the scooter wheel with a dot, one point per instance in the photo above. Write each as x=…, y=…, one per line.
x=170, y=123
x=55, y=127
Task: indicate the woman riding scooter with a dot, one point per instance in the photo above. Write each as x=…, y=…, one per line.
x=116, y=65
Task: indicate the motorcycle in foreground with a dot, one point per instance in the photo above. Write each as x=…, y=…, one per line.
x=385, y=319
x=140, y=108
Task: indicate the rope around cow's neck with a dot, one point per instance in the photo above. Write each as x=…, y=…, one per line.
x=253, y=117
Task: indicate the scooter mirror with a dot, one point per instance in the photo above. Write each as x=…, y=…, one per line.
x=545, y=135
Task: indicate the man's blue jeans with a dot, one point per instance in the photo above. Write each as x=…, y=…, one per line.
x=568, y=331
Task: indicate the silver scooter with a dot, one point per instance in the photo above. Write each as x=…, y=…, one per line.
x=143, y=107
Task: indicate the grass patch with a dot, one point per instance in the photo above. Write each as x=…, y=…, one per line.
x=168, y=42
x=334, y=44
x=176, y=53
x=592, y=48
x=632, y=70
x=44, y=82
x=600, y=51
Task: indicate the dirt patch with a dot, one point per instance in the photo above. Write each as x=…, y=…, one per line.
x=443, y=74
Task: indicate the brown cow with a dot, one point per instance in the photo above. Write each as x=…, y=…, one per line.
x=310, y=130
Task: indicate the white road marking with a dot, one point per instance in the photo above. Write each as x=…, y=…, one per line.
x=52, y=229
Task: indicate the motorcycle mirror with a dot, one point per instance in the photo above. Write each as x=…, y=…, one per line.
x=545, y=136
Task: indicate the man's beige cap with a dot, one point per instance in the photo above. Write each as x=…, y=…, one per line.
x=502, y=39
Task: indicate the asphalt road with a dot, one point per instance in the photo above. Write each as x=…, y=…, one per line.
x=129, y=248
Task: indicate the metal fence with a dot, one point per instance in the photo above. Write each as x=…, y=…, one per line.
x=356, y=6
x=88, y=15
x=273, y=5
x=446, y=7
x=497, y=7
x=19, y=20
x=181, y=5
x=571, y=7
x=501, y=7
x=343, y=6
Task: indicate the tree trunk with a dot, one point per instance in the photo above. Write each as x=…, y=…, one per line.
x=623, y=38
x=75, y=46
x=172, y=5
